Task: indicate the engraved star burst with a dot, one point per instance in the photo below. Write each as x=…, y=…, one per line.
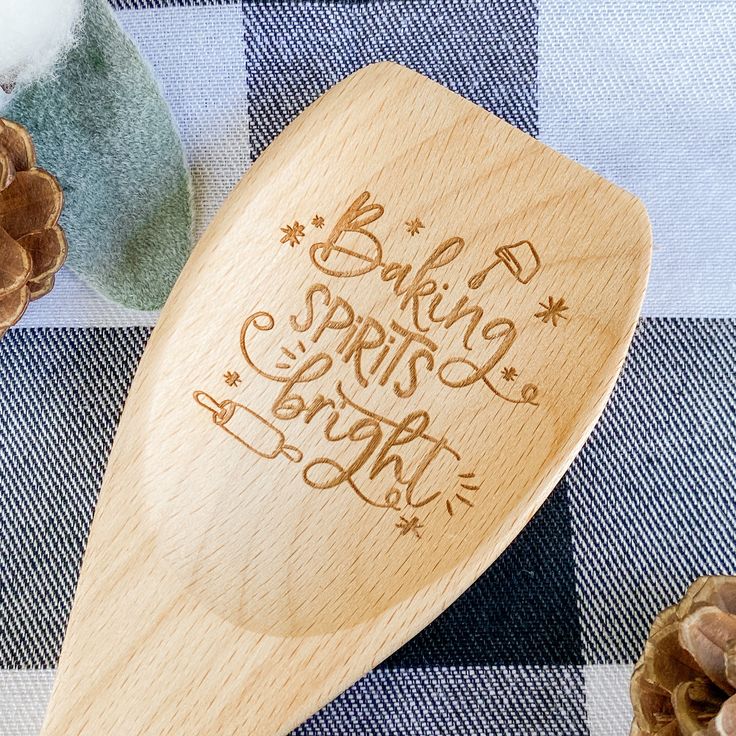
x=467, y=483
x=291, y=355
x=318, y=221
x=414, y=226
x=509, y=373
x=292, y=233
x=552, y=311
x=410, y=525
x=232, y=378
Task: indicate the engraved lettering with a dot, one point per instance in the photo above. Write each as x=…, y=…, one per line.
x=338, y=343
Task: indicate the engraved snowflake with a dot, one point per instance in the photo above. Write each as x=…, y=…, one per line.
x=318, y=221
x=410, y=525
x=292, y=233
x=232, y=378
x=414, y=226
x=509, y=373
x=552, y=311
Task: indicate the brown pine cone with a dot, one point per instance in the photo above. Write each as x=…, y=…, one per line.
x=32, y=245
x=685, y=682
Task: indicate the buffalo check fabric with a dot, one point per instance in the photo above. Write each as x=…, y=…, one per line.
x=545, y=641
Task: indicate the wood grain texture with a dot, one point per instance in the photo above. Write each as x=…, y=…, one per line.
x=383, y=354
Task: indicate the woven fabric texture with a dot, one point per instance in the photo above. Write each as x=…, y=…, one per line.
x=545, y=641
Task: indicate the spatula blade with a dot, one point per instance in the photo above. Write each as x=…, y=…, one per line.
x=385, y=351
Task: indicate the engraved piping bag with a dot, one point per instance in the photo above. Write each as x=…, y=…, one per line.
x=248, y=428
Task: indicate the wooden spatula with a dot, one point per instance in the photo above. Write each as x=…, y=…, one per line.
x=383, y=354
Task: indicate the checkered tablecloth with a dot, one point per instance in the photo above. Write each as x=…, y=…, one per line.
x=544, y=643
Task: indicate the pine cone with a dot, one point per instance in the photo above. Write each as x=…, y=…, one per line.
x=685, y=682
x=32, y=245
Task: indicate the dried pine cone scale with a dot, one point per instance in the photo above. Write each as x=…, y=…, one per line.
x=685, y=682
x=32, y=245
x=694, y=705
x=31, y=202
x=12, y=307
x=46, y=249
x=16, y=264
x=7, y=168
x=710, y=631
x=16, y=140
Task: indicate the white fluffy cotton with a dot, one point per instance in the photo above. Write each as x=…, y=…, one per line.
x=33, y=35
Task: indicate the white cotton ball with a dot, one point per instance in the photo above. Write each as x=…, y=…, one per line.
x=33, y=34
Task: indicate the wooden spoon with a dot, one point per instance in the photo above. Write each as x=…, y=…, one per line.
x=381, y=357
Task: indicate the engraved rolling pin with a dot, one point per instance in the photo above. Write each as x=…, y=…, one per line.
x=248, y=428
